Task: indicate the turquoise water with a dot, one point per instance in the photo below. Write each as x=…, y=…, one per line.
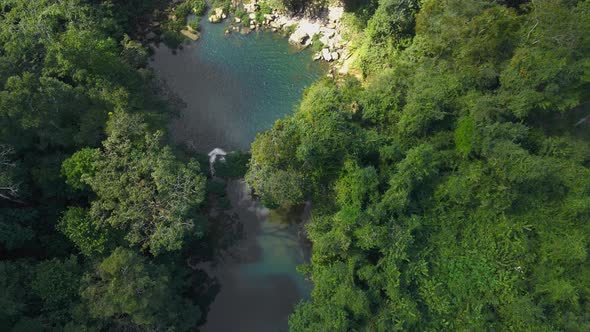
x=259, y=282
x=235, y=86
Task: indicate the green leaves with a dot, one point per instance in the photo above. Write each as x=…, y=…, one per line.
x=447, y=192
x=90, y=238
x=127, y=285
x=142, y=190
x=79, y=167
x=57, y=283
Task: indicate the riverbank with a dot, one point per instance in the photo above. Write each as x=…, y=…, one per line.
x=323, y=31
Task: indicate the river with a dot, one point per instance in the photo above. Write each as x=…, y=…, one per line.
x=235, y=86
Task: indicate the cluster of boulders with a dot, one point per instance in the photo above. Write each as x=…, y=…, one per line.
x=334, y=47
x=217, y=15
x=268, y=20
x=303, y=31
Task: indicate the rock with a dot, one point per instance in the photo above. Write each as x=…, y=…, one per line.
x=250, y=7
x=335, y=56
x=317, y=56
x=150, y=35
x=217, y=15
x=331, y=26
x=274, y=29
x=237, y=19
x=190, y=35
x=331, y=44
x=245, y=31
x=252, y=26
x=299, y=37
x=330, y=33
x=326, y=54
x=252, y=16
x=276, y=25
x=269, y=17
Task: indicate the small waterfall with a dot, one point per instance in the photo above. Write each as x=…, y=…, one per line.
x=214, y=155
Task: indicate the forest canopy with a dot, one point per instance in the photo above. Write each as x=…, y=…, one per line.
x=450, y=182
x=96, y=208
x=451, y=187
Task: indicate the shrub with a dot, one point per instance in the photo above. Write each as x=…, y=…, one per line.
x=195, y=24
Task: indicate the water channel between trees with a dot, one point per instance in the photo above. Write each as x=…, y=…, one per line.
x=235, y=86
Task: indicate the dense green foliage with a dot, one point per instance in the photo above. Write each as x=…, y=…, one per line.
x=95, y=208
x=451, y=188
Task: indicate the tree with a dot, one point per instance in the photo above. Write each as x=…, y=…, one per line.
x=451, y=189
x=57, y=283
x=90, y=237
x=128, y=289
x=141, y=188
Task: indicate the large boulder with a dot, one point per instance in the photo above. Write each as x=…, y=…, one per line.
x=300, y=38
x=192, y=35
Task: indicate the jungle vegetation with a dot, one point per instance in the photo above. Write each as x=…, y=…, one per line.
x=451, y=185
x=96, y=209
